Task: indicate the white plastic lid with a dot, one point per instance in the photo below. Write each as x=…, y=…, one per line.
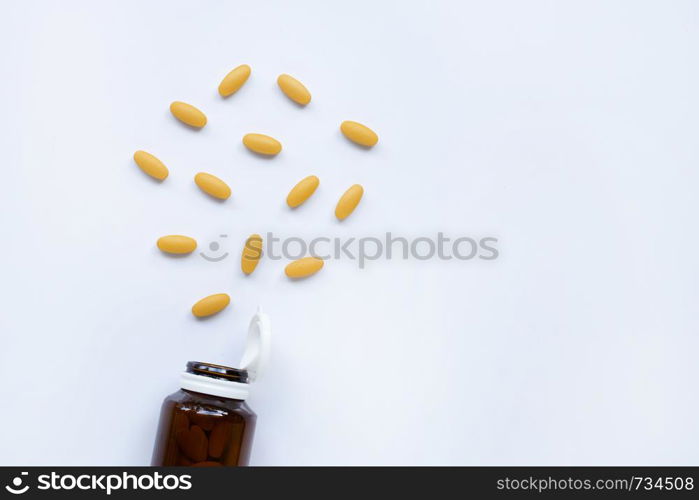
x=257, y=346
x=254, y=361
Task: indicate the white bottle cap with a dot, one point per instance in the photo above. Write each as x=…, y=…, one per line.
x=254, y=360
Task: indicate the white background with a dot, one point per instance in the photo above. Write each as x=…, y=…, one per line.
x=568, y=130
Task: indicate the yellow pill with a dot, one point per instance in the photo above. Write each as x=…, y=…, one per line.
x=232, y=82
x=302, y=191
x=211, y=305
x=361, y=134
x=262, y=144
x=349, y=201
x=177, y=244
x=212, y=185
x=150, y=165
x=304, y=267
x=186, y=113
x=294, y=89
x=252, y=251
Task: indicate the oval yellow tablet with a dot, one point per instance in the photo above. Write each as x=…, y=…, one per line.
x=304, y=267
x=150, y=165
x=262, y=144
x=211, y=305
x=252, y=251
x=232, y=82
x=361, y=134
x=212, y=185
x=186, y=113
x=294, y=89
x=349, y=201
x=302, y=191
x=177, y=244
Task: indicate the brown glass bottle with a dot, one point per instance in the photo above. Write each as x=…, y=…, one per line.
x=206, y=429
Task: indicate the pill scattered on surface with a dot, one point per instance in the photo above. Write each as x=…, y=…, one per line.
x=150, y=165
x=361, y=134
x=211, y=305
x=212, y=185
x=186, y=113
x=349, y=201
x=302, y=191
x=177, y=244
x=262, y=144
x=304, y=267
x=232, y=82
x=252, y=251
x=294, y=89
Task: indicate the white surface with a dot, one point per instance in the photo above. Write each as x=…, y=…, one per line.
x=566, y=129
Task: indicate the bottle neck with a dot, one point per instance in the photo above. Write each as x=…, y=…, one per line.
x=214, y=386
x=215, y=380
